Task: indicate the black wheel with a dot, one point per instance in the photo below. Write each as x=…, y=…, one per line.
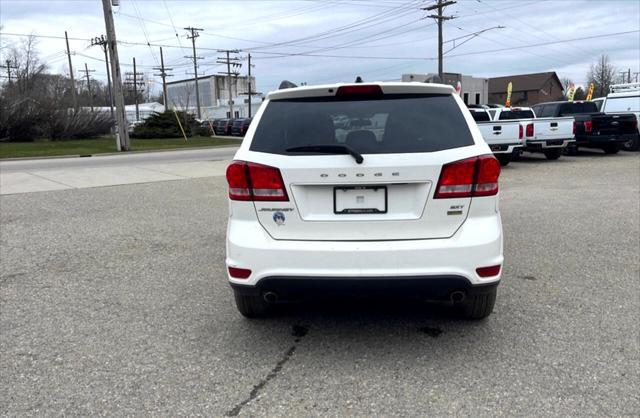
x=553, y=153
x=252, y=306
x=572, y=149
x=611, y=148
x=503, y=159
x=632, y=145
x=478, y=306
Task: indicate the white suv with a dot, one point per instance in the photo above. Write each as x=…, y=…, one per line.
x=381, y=189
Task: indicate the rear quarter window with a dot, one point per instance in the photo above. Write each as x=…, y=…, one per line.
x=387, y=124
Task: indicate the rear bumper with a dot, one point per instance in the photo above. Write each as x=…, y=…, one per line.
x=420, y=287
x=477, y=243
x=533, y=145
x=504, y=148
x=599, y=140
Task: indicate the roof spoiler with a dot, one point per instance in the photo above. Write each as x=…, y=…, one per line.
x=286, y=84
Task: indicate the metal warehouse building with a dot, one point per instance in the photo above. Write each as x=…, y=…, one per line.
x=214, y=96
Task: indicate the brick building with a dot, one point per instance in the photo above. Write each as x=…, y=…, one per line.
x=528, y=89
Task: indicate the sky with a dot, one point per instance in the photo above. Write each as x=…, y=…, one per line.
x=327, y=41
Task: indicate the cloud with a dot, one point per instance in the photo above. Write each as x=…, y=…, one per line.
x=393, y=28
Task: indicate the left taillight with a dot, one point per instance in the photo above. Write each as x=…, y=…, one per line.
x=255, y=182
x=529, y=130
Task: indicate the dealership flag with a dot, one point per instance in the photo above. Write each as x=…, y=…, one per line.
x=591, y=88
x=571, y=92
x=509, y=88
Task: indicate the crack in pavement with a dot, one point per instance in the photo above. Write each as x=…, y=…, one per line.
x=298, y=331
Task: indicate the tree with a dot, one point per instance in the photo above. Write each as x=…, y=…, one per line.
x=602, y=75
x=580, y=94
x=566, y=82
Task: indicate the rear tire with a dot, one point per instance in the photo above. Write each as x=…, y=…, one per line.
x=252, y=306
x=611, y=148
x=632, y=145
x=553, y=153
x=478, y=306
x=572, y=149
x=503, y=159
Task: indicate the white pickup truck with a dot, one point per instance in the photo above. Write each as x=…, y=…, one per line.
x=504, y=138
x=549, y=136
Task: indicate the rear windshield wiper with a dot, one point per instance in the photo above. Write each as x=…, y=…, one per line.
x=329, y=149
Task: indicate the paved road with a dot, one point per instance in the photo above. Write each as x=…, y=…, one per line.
x=113, y=301
x=27, y=176
x=135, y=158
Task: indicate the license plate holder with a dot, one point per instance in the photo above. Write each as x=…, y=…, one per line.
x=357, y=200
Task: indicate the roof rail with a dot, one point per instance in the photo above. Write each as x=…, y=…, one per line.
x=619, y=88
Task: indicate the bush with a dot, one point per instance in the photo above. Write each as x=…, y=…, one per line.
x=165, y=125
x=28, y=119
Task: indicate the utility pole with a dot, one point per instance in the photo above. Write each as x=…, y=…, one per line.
x=163, y=73
x=135, y=88
x=230, y=61
x=133, y=83
x=9, y=66
x=103, y=44
x=86, y=71
x=249, y=81
x=73, y=83
x=193, y=36
x=439, y=6
x=249, y=93
x=122, y=135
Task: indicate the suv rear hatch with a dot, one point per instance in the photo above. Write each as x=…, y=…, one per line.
x=404, y=140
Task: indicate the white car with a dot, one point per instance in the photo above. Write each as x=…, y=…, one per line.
x=406, y=204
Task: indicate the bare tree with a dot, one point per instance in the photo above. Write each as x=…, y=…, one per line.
x=602, y=75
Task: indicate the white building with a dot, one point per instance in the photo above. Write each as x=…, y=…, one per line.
x=214, y=96
x=474, y=90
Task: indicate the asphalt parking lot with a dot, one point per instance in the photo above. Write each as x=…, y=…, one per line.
x=113, y=301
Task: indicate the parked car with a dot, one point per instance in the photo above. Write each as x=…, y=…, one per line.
x=505, y=138
x=224, y=126
x=240, y=126
x=407, y=207
x=625, y=98
x=592, y=129
x=549, y=136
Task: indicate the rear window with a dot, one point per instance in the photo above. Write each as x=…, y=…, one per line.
x=573, y=108
x=386, y=124
x=516, y=114
x=480, y=116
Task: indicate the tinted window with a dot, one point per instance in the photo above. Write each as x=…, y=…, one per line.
x=386, y=124
x=572, y=108
x=480, y=116
x=516, y=114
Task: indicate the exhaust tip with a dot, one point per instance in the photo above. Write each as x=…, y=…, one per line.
x=270, y=297
x=457, y=296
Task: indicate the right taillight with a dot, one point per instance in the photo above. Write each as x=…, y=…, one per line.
x=588, y=126
x=476, y=176
x=529, y=130
x=255, y=182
